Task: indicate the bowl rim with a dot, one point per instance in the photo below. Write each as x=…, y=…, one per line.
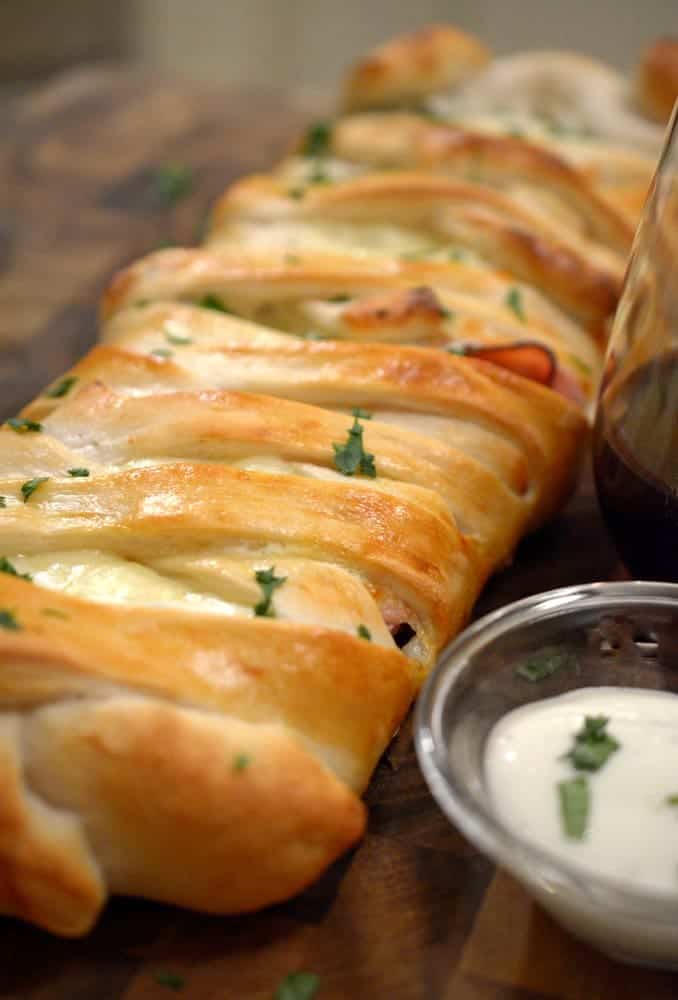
x=481, y=827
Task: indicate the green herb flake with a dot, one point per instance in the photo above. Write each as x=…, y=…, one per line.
x=351, y=457
x=3, y=501
x=29, y=488
x=8, y=621
x=514, y=301
x=317, y=139
x=364, y=632
x=671, y=800
x=7, y=567
x=459, y=349
x=173, y=182
x=313, y=335
x=241, y=761
x=319, y=175
x=170, y=980
x=575, y=805
x=162, y=352
x=61, y=388
x=55, y=613
x=24, y=426
x=593, y=745
x=175, y=338
x=339, y=298
x=211, y=301
x=78, y=473
x=296, y=192
x=298, y=986
x=544, y=663
x=447, y=313
x=269, y=583
x=580, y=365
x=360, y=413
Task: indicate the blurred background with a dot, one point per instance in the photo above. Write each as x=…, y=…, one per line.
x=301, y=44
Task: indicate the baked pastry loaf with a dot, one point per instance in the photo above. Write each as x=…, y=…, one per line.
x=657, y=79
x=581, y=110
x=236, y=535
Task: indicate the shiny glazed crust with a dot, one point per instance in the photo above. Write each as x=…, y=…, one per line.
x=657, y=79
x=239, y=531
x=407, y=68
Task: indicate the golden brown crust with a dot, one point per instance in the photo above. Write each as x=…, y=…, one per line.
x=437, y=209
x=657, y=79
x=230, y=427
x=430, y=302
x=520, y=415
x=403, y=542
x=409, y=141
x=128, y=744
x=409, y=67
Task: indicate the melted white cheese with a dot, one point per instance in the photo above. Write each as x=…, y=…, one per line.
x=101, y=576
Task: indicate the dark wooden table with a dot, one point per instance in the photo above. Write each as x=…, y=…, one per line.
x=415, y=913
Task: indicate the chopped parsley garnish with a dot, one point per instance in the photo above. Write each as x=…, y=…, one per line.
x=3, y=501
x=7, y=567
x=23, y=426
x=514, y=301
x=55, y=613
x=172, y=182
x=297, y=193
x=459, y=348
x=360, y=413
x=269, y=583
x=241, y=761
x=162, y=352
x=319, y=175
x=339, y=298
x=317, y=139
x=29, y=488
x=593, y=745
x=78, y=473
x=62, y=388
x=298, y=986
x=672, y=800
x=575, y=805
x=171, y=980
x=456, y=254
x=364, y=632
x=175, y=338
x=581, y=365
x=448, y=313
x=351, y=457
x=211, y=301
x=544, y=663
x=8, y=621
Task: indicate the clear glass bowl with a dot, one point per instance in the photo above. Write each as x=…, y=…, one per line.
x=623, y=634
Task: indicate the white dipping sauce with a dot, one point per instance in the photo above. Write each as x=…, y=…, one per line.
x=632, y=830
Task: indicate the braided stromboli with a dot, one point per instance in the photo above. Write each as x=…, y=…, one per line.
x=235, y=536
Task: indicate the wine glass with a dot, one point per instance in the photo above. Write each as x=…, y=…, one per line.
x=636, y=431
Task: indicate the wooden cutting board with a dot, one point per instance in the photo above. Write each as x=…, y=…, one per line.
x=414, y=913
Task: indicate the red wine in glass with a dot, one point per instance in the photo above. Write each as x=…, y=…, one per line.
x=636, y=468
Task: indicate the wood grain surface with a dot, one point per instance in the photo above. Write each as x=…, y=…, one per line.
x=414, y=913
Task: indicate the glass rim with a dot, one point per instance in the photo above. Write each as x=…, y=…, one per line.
x=479, y=825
